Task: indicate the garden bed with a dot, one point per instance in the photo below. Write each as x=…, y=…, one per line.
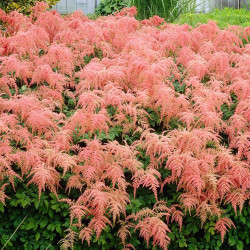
x=126, y=133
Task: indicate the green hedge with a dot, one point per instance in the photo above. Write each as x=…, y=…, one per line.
x=223, y=17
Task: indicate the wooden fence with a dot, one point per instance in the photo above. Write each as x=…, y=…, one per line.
x=208, y=5
x=68, y=6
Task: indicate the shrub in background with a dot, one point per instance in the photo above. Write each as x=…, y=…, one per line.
x=107, y=7
x=22, y=5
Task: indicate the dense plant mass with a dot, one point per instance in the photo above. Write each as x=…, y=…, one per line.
x=104, y=110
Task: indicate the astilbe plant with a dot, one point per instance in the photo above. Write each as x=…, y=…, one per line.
x=68, y=82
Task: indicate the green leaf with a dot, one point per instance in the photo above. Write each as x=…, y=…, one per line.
x=10, y=244
x=58, y=229
x=182, y=243
x=24, y=87
x=36, y=204
x=55, y=207
x=46, y=203
x=231, y=241
x=219, y=243
x=243, y=220
x=29, y=225
x=51, y=213
x=43, y=224
x=37, y=236
x=71, y=102
x=108, y=9
x=1, y=208
x=207, y=237
x=211, y=230
x=51, y=227
x=240, y=245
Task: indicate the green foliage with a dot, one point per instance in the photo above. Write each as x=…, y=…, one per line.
x=169, y=10
x=108, y=7
x=48, y=219
x=22, y=6
x=228, y=111
x=44, y=225
x=192, y=236
x=223, y=17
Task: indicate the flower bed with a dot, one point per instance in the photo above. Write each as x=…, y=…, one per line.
x=135, y=126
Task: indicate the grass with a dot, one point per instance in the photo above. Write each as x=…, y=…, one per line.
x=223, y=17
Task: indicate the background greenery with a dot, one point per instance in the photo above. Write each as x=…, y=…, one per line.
x=178, y=11
x=223, y=17
x=22, y=5
x=107, y=7
x=170, y=10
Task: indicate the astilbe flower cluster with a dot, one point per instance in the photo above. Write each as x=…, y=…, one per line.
x=181, y=73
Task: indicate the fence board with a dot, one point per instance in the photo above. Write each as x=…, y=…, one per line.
x=219, y=4
x=61, y=6
x=69, y=6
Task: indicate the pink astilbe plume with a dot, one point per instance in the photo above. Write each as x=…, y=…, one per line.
x=219, y=62
x=3, y=196
x=147, y=179
x=44, y=73
x=88, y=122
x=6, y=83
x=61, y=58
x=127, y=12
x=43, y=121
x=198, y=66
x=241, y=88
x=185, y=55
x=90, y=101
x=164, y=98
x=51, y=21
x=39, y=8
x=242, y=143
x=15, y=21
x=6, y=170
x=237, y=125
x=222, y=226
x=153, y=226
x=12, y=66
x=187, y=118
x=28, y=42
x=44, y=176
x=206, y=49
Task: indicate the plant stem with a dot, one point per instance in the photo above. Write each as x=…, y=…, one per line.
x=14, y=232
